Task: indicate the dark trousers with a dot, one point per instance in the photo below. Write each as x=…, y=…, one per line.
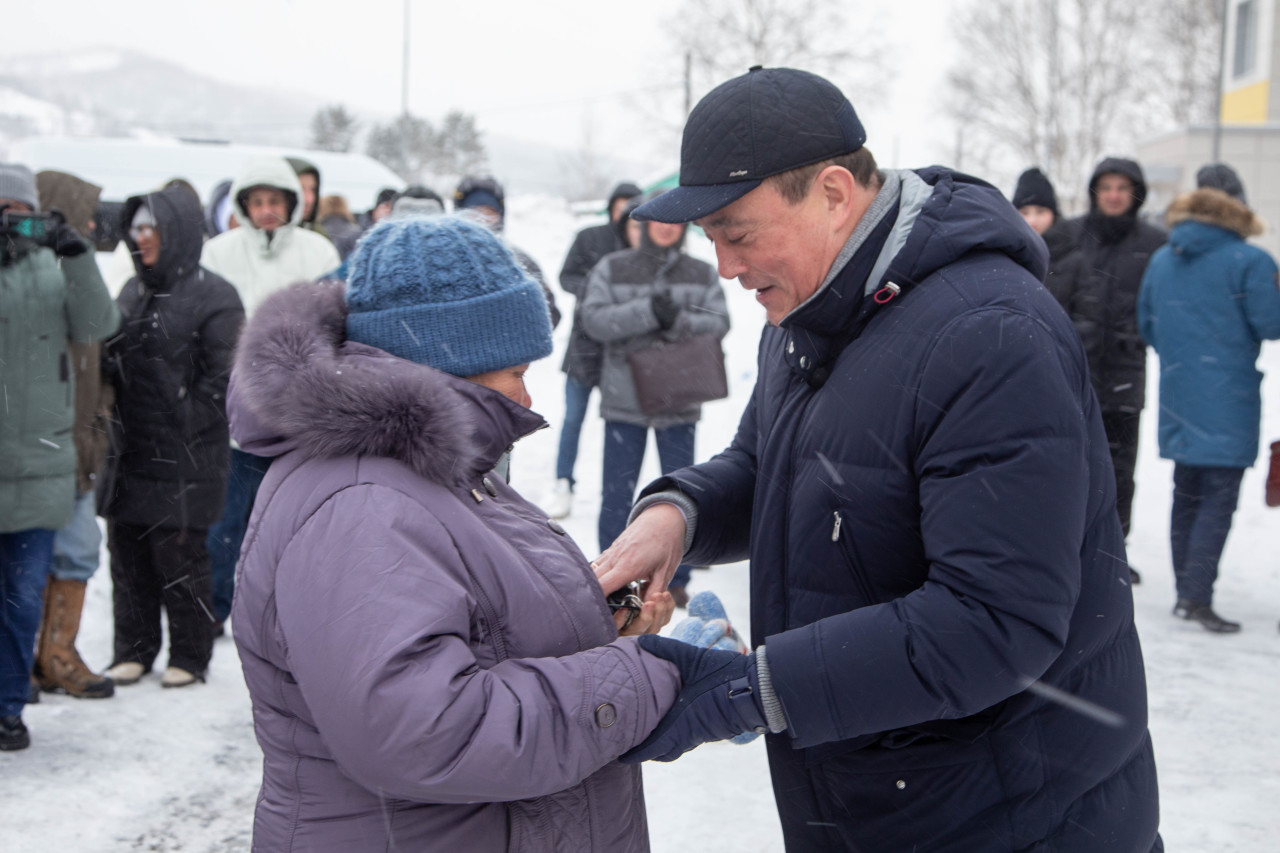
x=226, y=535
x=624, y=446
x=1122, y=439
x=576, y=397
x=1204, y=499
x=25, y=558
x=155, y=567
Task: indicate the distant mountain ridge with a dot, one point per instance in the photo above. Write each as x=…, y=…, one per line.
x=126, y=93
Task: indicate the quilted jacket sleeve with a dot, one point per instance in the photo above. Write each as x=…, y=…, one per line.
x=374, y=605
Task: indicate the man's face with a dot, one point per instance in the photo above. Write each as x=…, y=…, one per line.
x=664, y=234
x=268, y=209
x=615, y=209
x=1037, y=216
x=310, y=188
x=634, y=230
x=779, y=250
x=1114, y=194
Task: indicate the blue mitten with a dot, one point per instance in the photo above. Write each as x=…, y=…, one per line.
x=719, y=699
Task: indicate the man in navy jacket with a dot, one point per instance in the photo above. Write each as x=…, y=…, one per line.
x=945, y=655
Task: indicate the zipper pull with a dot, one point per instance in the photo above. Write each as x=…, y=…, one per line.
x=835, y=528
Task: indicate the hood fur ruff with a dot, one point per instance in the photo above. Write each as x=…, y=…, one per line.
x=298, y=384
x=1214, y=207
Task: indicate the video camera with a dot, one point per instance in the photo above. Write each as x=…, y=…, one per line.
x=39, y=228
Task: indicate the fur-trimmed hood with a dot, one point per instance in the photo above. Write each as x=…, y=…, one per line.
x=298, y=384
x=1214, y=207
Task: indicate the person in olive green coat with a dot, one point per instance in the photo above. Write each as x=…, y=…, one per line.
x=50, y=292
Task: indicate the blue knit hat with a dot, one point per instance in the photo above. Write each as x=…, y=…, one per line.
x=445, y=292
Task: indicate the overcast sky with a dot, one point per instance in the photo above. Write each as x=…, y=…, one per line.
x=550, y=70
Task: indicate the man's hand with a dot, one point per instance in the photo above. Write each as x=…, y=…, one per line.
x=719, y=698
x=649, y=549
x=665, y=310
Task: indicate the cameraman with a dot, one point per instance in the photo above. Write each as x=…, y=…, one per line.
x=50, y=292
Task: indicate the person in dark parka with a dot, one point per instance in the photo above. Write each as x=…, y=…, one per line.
x=1115, y=246
x=583, y=354
x=945, y=654
x=1037, y=201
x=167, y=471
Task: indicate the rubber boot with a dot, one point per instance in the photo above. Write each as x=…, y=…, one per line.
x=59, y=668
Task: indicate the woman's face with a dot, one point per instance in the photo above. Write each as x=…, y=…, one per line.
x=509, y=382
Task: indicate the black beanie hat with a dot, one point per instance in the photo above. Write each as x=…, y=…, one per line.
x=1034, y=188
x=1220, y=176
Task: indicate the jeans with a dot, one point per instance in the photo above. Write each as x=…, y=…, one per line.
x=576, y=396
x=624, y=446
x=244, y=476
x=78, y=544
x=24, y=569
x=1204, y=499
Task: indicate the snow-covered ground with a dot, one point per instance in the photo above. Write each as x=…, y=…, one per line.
x=169, y=770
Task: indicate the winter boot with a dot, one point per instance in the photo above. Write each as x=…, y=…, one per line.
x=59, y=668
x=560, y=504
x=126, y=673
x=1195, y=611
x=176, y=676
x=13, y=734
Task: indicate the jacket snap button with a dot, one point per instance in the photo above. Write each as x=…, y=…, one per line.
x=900, y=785
x=791, y=347
x=490, y=487
x=804, y=361
x=606, y=716
x=555, y=526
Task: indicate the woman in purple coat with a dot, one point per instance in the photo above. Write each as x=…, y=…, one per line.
x=431, y=661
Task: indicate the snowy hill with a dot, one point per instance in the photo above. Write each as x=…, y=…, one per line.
x=169, y=770
x=125, y=93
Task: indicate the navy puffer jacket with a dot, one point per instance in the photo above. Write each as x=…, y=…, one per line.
x=935, y=552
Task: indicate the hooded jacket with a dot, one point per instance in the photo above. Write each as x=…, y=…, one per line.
x=431, y=663
x=618, y=312
x=935, y=552
x=169, y=365
x=257, y=263
x=583, y=355
x=44, y=302
x=1208, y=300
x=1115, y=251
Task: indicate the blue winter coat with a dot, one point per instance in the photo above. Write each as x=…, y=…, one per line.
x=935, y=552
x=1208, y=300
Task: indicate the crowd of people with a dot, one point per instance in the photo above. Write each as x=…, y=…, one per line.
x=302, y=422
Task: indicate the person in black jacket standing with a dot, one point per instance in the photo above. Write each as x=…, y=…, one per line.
x=1115, y=246
x=582, y=357
x=167, y=472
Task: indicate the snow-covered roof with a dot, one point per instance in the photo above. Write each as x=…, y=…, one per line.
x=125, y=167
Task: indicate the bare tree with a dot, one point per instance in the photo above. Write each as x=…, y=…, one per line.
x=459, y=146
x=716, y=40
x=406, y=146
x=1061, y=83
x=333, y=128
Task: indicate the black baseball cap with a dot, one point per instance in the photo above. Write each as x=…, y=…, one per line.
x=768, y=121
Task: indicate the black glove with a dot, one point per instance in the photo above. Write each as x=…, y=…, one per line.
x=65, y=241
x=719, y=698
x=664, y=309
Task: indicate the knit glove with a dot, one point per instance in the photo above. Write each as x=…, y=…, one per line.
x=65, y=241
x=719, y=699
x=664, y=310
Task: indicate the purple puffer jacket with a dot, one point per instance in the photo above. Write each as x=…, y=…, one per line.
x=431, y=662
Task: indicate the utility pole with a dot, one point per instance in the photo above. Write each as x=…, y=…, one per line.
x=1217, y=101
x=404, y=65
x=688, y=83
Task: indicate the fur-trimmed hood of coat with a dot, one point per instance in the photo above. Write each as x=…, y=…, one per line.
x=1214, y=207
x=299, y=384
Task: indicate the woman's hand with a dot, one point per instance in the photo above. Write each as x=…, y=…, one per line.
x=654, y=614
